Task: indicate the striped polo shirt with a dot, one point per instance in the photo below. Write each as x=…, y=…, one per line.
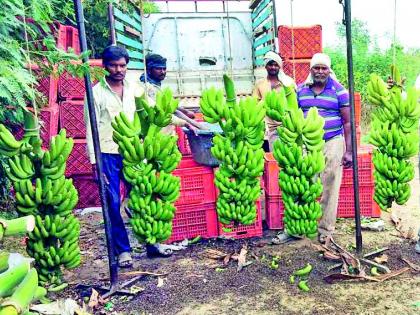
x=329, y=102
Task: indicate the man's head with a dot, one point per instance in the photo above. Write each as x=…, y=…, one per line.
x=156, y=67
x=320, y=68
x=273, y=63
x=115, y=60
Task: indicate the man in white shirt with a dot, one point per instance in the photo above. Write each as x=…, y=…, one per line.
x=112, y=96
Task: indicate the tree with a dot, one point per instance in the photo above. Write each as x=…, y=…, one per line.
x=369, y=58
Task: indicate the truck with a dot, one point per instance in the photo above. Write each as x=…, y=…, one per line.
x=201, y=40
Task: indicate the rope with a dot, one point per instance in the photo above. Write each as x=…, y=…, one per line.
x=293, y=41
x=395, y=35
x=230, y=45
x=28, y=60
x=144, y=51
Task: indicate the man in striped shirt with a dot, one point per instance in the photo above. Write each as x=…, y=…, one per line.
x=322, y=90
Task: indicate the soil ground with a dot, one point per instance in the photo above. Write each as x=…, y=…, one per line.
x=193, y=285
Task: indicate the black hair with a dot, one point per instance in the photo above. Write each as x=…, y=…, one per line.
x=154, y=59
x=112, y=53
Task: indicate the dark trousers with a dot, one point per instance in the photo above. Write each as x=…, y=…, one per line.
x=112, y=167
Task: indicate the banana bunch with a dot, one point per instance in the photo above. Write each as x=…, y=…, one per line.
x=394, y=127
x=42, y=190
x=9, y=146
x=239, y=151
x=213, y=105
x=149, y=157
x=54, y=242
x=160, y=114
x=298, y=151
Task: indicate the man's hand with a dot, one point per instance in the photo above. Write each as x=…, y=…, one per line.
x=347, y=160
x=187, y=112
x=192, y=128
x=390, y=82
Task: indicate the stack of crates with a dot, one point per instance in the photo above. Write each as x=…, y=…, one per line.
x=66, y=37
x=368, y=207
x=196, y=207
x=243, y=231
x=214, y=228
x=297, y=45
x=71, y=93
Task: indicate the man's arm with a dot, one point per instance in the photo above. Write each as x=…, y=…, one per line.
x=256, y=92
x=89, y=139
x=345, y=117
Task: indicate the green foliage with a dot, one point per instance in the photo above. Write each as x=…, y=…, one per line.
x=96, y=18
x=26, y=43
x=147, y=7
x=369, y=58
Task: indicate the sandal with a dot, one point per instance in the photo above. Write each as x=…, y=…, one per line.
x=282, y=238
x=125, y=260
x=158, y=250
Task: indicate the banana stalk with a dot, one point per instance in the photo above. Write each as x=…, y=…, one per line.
x=4, y=261
x=230, y=90
x=32, y=133
x=23, y=295
x=12, y=277
x=16, y=226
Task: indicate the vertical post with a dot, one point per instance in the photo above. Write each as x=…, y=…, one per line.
x=347, y=22
x=111, y=20
x=113, y=267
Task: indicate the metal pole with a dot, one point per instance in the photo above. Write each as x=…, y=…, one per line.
x=111, y=20
x=113, y=267
x=347, y=22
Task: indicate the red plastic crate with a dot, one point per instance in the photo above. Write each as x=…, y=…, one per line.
x=302, y=43
x=357, y=108
x=88, y=192
x=368, y=207
x=194, y=220
x=78, y=162
x=188, y=162
x=365, y=166
x=47, y=85
x=183, y=144
x=197, y=185
x=72, y=88
x=243, y=231
x=301, y=66
x=274, y=212
x=49, y=124
x=358, y=135
x=67, y=37
x=72, y=118
x=48, y=118
x=271, y=175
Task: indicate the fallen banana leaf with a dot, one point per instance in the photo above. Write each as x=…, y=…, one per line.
x=242, y=258
x=412, y=265
x=381, y=259
x=335, y=277
x=214, y=254
x=331, y=256
x=227, y=259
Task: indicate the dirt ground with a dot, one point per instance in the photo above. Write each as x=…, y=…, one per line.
x=192, y=284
